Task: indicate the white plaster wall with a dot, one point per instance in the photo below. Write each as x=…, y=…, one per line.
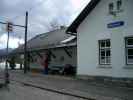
x=94, y=28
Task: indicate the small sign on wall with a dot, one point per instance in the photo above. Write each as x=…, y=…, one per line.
x=115, y=24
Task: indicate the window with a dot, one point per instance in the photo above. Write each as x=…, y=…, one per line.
x=129, y=50
x=104, y=52
x=119, y=4
x=111, y=7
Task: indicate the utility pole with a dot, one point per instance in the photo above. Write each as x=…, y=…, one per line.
x=25, y=45
x=9, y=29
x=10, y=25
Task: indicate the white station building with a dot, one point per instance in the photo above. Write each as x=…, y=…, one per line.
x=104, y=32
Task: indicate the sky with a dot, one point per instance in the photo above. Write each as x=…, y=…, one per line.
x=44, y=16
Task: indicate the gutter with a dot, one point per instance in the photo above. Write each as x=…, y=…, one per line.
x=71, y=33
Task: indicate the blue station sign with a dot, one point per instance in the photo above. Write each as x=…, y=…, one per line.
x=115, y=24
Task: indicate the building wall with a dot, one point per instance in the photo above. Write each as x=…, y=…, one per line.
x=61, y=58
x=94, y=28
x=61, y=54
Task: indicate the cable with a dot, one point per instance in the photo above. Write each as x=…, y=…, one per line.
x=80, y=8
x=40, y=3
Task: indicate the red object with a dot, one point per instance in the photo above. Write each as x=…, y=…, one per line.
x=46, y=63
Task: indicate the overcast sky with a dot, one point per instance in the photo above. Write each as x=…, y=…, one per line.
x=42, y=14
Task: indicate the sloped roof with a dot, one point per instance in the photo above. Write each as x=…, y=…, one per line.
x=73, y=27
x=48, y=40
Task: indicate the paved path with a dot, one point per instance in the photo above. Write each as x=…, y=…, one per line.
x=73, y=86
x=2, y=75
x=18, y=91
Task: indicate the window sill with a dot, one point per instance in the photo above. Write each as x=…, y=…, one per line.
x=128, y=67
x=104, y=66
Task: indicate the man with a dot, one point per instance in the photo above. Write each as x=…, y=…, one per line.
x=46, y=62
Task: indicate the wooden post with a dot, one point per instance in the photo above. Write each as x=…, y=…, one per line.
x=6, y=64
x=25, y=46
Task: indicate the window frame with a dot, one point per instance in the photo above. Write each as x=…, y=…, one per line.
x=127, y=47
x=111, y=7
x=104, y=49
x=119, y=4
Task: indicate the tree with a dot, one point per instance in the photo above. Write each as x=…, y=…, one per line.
x=54, y=24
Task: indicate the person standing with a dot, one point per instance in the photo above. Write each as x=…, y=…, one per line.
x=46, y=62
